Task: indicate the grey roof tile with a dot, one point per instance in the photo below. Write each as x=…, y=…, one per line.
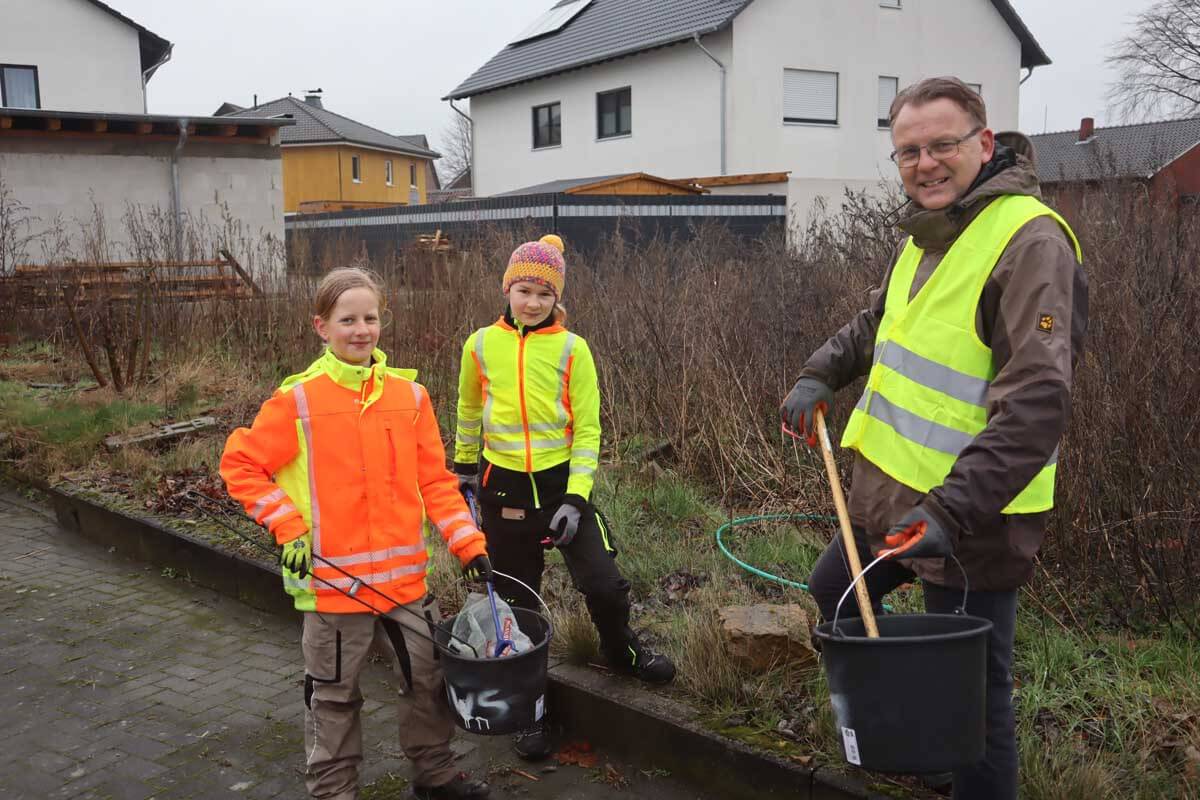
x=1117, y=151
x=315, y=125
x=609, y=29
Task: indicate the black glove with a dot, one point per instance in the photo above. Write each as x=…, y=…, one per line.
x=919, y=534
x=479, y=568
x=798, y=411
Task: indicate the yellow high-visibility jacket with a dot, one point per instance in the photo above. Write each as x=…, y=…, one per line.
x=529, y=398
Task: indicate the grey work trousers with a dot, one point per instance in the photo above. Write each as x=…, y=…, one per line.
x=335, y=648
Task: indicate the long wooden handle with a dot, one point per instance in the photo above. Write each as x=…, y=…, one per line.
x=839, y=501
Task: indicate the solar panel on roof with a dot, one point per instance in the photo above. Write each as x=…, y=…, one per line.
x=553, y=20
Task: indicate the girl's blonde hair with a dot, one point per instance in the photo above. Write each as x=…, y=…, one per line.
x=341, y=280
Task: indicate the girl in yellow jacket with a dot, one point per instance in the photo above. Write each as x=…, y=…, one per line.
x=528, y=444
x=342, y=464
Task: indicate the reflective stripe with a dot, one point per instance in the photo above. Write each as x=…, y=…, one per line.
x=375, y=555
x=299, y=584
x=537, y=427
x=933, y=375
x=562, y=371
x=465, y=532
x=581, y=470
x=487, y=402
x=469, y=438
x=314, y=505
x=536, y=444
x=416, y=390
x=462, y=517
x=917, y=429
x=585, y=454
x=378, y=577
x=261, y=504
x=282, y=511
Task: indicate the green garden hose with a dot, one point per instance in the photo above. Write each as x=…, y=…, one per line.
x=768, y=518
x=771, y=518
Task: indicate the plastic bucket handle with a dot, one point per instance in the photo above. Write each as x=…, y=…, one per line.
x=837, y=612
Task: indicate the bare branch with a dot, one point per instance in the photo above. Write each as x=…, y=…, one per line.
x=1158, y=63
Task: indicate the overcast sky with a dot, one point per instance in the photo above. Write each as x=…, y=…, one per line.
x=388, y=63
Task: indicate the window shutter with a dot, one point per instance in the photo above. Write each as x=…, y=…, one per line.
x=809, y=96
x=887, y=93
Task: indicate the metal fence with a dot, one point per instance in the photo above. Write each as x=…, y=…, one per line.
x=583, y=220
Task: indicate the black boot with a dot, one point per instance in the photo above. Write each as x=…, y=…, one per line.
x=461, y=787
x=642, y=662
x=533, y=743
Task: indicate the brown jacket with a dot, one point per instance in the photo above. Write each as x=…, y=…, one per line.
x=1029, y=401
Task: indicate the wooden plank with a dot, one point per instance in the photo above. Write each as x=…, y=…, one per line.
x=6, y=122
x=233, y=262
x=99, y=125
x=52, y=124
x=227, y=130
x=745, y=179
x=144, y=128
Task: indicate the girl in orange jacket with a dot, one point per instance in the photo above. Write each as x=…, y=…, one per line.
x=343, y=464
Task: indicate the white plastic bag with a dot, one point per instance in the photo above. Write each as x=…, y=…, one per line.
x=475, y=626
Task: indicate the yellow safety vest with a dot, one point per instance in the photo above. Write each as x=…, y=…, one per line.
x=925, y=398
x=531, y=401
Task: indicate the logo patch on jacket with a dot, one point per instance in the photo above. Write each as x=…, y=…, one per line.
x=1046, y=323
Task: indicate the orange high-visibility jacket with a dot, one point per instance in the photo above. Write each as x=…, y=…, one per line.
x=353, y=456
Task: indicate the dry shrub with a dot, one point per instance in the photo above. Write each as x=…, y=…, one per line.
x=698, y=339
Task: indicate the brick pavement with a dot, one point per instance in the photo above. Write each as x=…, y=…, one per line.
x=120, y=682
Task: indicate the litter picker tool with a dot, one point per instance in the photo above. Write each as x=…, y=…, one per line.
x=502, y=642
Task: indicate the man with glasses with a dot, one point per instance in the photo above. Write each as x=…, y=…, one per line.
x=969, y=346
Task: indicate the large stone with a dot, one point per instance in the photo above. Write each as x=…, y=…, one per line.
x=762, y=637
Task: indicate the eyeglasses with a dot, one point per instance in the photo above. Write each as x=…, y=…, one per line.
x=942, y=150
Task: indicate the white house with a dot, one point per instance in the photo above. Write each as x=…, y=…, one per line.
x=681, y=88
x=75, y=137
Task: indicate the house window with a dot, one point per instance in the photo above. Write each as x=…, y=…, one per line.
x=356, y=169
x=547, y=125
x=412, y=175
x=889, y=3
x=614, y=112
x=19, y=87
x=888, y=86
x=810, y=96
x=387, y=171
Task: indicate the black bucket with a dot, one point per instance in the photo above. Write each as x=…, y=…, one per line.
x=915, y=699
x=495, y=696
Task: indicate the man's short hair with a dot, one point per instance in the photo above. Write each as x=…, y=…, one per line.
x=932, y=89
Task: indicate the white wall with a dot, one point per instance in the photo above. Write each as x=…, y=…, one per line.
x=676, y=121
x=60, y=182
x=87, y=59
x=861, y=41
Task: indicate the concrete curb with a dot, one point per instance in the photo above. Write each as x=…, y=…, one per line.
x=613, y=713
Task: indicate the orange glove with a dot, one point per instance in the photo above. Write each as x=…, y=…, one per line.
x=918, y=535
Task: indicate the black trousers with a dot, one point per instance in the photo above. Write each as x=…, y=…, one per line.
x=515, y=547
x=994, y=778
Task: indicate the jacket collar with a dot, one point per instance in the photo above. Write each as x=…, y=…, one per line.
x=548, y=325
x=350, y=376
x=1008, y=173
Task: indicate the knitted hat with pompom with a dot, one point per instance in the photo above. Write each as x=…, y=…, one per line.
x=538, y=262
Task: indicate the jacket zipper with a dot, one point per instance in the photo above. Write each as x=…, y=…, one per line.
x=524, y=413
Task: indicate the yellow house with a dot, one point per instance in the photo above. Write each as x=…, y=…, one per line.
x=332, y=163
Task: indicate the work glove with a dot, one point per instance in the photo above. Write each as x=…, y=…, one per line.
x=479, y=568
x=565, y=524
x=297, y=555
x=918, y=535
x=468, y=483
x=798, y=411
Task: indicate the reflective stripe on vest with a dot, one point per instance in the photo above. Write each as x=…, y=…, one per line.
x=926, y=395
